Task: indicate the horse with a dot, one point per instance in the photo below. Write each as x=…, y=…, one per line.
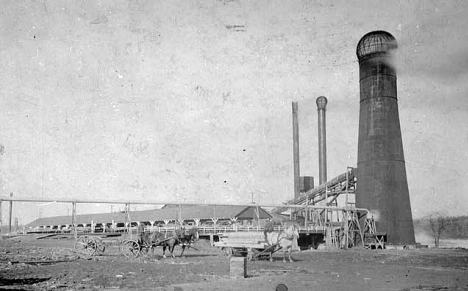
x=284, y=240
x=183, y=237
x=151, y=240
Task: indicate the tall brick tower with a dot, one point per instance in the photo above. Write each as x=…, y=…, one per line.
x=382, y=186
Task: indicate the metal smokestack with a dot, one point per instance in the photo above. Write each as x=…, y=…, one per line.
x=297, y=174
x=382, y=185
x=322, y=139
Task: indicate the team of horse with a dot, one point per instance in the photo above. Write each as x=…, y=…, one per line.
x=183, y=237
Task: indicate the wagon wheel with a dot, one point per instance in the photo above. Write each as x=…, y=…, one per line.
x=86, y=245
x=100, y=246
x=228, y=252
x=144, y=249
x=274, y=249
x=130, y=248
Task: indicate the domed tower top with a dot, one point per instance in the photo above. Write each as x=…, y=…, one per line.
x=321, y=102
x=374, y=42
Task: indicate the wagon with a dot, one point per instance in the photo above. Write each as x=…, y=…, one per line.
x=91, y=244
x=246, y=244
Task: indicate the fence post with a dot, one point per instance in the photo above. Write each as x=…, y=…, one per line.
x=75, y=231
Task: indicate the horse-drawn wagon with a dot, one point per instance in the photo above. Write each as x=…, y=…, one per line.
x=135, y=245
x=255, y=246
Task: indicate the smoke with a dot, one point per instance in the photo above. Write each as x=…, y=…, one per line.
x=434, y=47
x=448, y=67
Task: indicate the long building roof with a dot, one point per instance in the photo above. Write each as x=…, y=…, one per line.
x=168, y=213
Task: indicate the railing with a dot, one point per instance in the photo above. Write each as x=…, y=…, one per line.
x=207, y=229
x=240, y=228
x=203, y=230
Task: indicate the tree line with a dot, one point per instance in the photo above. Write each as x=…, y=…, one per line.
x=443, y=226
x=452, y=226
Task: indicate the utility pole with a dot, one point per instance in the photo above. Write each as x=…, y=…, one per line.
x=1, y=221
x=75, y=231
x=11, y=213
x=2, y=150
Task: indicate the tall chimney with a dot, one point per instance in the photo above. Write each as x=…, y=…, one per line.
x=322, y=139
x=297, y=173
x=382, y=186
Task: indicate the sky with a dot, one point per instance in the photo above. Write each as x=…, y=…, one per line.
x=191, y=100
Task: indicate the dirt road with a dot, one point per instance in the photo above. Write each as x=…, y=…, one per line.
x=51, y=264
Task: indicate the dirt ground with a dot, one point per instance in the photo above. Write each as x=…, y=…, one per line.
x=27, y=263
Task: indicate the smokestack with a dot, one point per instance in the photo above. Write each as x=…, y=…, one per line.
x=382, y=186
x=297, y=173
x=322, y=139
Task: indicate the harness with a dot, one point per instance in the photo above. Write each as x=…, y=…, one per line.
x=185, y=236
x=288, y=236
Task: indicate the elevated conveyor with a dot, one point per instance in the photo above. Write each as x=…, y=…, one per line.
x=328, y=191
